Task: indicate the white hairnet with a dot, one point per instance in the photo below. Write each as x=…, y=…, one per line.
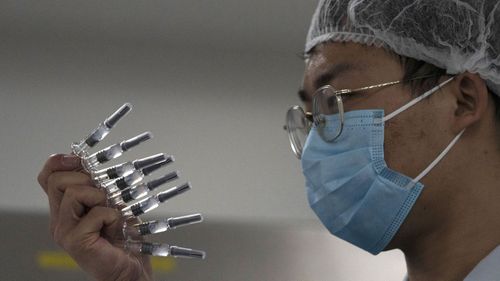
x=456, y=35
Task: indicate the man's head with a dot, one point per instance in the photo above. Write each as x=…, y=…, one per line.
x=456, y=35
x=354, y=44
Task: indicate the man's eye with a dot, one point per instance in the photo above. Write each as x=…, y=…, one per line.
x=350, y=96
x=346, y=98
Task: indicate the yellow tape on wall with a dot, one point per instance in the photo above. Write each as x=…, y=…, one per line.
x=57, y=260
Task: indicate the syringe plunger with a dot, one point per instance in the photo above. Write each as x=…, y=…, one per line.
x=163, y=250
x=111, y=121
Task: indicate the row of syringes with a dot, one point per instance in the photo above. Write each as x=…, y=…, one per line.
x=124, y=184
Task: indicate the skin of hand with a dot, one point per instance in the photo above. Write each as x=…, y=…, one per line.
x=84, y=227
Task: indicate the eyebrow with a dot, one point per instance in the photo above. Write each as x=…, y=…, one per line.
x=327, y=76
x=332, y=73
x=303, y=96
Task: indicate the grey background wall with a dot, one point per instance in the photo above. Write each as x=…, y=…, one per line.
x=212, y=80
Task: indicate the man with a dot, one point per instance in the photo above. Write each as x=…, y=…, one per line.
x=404, y=150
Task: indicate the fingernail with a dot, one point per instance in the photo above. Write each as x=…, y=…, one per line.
x=70, y=161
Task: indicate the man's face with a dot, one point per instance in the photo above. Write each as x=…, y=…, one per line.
x=414, y=138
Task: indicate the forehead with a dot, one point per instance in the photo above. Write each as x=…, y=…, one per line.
x=331, y=61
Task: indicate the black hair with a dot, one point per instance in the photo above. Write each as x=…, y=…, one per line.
x=417, y=68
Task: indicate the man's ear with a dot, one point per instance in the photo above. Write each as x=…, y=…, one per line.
x=471, y=95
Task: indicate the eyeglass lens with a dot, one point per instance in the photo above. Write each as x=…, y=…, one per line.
x=328, y=113
x=298, y=127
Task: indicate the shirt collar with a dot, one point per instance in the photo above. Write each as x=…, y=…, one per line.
x=487, y=269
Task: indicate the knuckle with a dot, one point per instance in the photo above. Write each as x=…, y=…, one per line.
x=41, y=178
x=109, y=214
x=95, y=212
x=70, y=193
x=47, y=167
x=60, y=181
x=51, y=180
x=54, y=182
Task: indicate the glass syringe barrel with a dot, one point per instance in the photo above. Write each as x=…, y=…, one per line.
x=99, y=133
x=115, y=151
x=158, y=226
x=153, y=202
x=129, y=167
x=133, y=178
x=141, y=190
x=162, y=250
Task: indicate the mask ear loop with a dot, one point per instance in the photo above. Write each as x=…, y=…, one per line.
x=436, y=161
x=445, y=151
x=416, y=100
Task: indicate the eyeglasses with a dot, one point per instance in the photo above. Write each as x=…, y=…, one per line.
x=327, y=101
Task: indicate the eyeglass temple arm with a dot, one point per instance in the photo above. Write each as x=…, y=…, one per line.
x=349, y=91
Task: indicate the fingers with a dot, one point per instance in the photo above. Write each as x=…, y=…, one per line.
x=57, y=184
x=100, y=254
x=74, y=205
x=85, y=234
x=84, y=224
x=81, y=224
x=103, y=221
x=57, y=162
x=87, y=243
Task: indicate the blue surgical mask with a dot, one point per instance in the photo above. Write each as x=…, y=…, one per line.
x=349, y=186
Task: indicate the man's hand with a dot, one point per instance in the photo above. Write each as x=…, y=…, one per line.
x=83, y=226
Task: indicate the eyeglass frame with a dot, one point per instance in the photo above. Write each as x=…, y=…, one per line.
x=316, y=120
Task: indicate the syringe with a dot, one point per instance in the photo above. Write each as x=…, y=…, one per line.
x=122, y=183
x=114, y=151
x=99, y=133
x=141, y=190
x=127, y=168
x=132, y=179
x=162, y=250
x=153, y=202
x=158, y=226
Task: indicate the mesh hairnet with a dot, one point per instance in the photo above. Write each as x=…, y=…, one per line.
x=456, y=35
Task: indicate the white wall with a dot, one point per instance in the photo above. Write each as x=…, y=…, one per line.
x=221, y=114
x=214, y=95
